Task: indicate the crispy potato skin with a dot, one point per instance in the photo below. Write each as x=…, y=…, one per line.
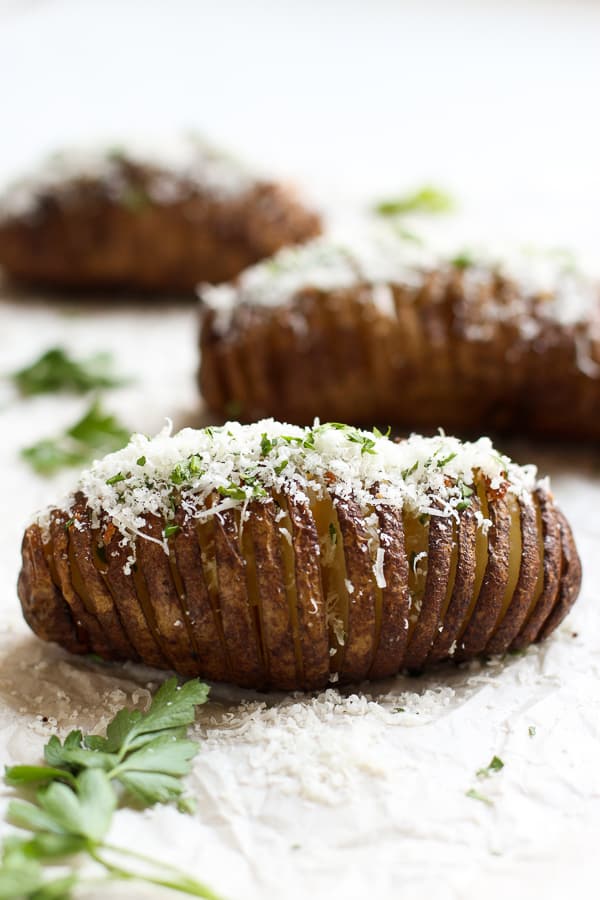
x=448, y=354
x=224, y=606
x=83, y=236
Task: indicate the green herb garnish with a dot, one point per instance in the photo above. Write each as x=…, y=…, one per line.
x=410, y=471
x=115, y=479
x=475, y=795
x=495, y=766
x=463, y=260
x=171, y=530
x=233, y=490
x=380, y=434
x=142, y=759
x=443, y=462
x=532, y=731
x=96, y=432
x=56, y=371
x=428, y=199
x=332, y=533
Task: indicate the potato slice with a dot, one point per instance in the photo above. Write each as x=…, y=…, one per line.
x=84, y=618
x=207, y=639
x=570, y=579
x=441, y=535
x=172, y=626
x=44, y=607
x=311, y=606
x=276, y=623
x=360, y=640
x=391, y=641
x=141, y=621
x=90, y=585
x=240, y=629
x=529, y=574
x=463, y=591
x=541, y=606
x=489, y=601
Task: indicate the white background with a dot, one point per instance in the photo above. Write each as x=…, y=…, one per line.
x=496, y=101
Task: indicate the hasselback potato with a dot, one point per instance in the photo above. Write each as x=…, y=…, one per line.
x=275, y=556
x=145, y=219
x=359, y=334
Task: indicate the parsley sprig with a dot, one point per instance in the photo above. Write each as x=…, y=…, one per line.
x=96, y=432
x=427, y=199
x=55, y=371
x=142, y=759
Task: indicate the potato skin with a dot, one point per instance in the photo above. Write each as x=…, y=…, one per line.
x=449, y=353
x=259, y=624
x=82, y=235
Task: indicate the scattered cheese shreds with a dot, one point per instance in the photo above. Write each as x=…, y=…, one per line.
x=207, y=471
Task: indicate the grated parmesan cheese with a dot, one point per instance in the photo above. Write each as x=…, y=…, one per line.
x=374, y=260
x=180, y=164
x=239, y=463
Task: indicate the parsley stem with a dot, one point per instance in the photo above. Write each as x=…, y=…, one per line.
x=183, y=883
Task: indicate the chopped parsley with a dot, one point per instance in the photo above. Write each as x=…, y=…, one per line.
x=463, y=260
x=171, y=530
x=444, y=462
x=96, y=432
x=116, y=478
x=532, y=731
x=476, y=795
x=495, y=766
x=412, y=469
x=428, y=200
x=55, y=371
x=332, y=533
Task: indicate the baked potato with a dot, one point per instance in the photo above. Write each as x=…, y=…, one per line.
x=274, y=556
x=359, y=334
x=147, y=221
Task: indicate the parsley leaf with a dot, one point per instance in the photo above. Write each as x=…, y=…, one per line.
x=495, y=766
x=426, y=199
x=96, y=432
x=144, y=754
x=475, y=795
x=56, y=371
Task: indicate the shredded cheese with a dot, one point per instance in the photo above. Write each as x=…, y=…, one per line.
x=207, y=471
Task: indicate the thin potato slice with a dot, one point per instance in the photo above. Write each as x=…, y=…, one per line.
x=529, y=573
x=570, y=580
x=141, y=624
x=91, y=585
x=277, y=631
x=436, y=585
x=360, y=640
x=241, y=635
x=44, y=607
x=84, y=618
x=489, y=602
x=311, y=607
x=171, y=621
x=464, y=585
x=207, y=640
x=552, y=564
x=393, y=632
